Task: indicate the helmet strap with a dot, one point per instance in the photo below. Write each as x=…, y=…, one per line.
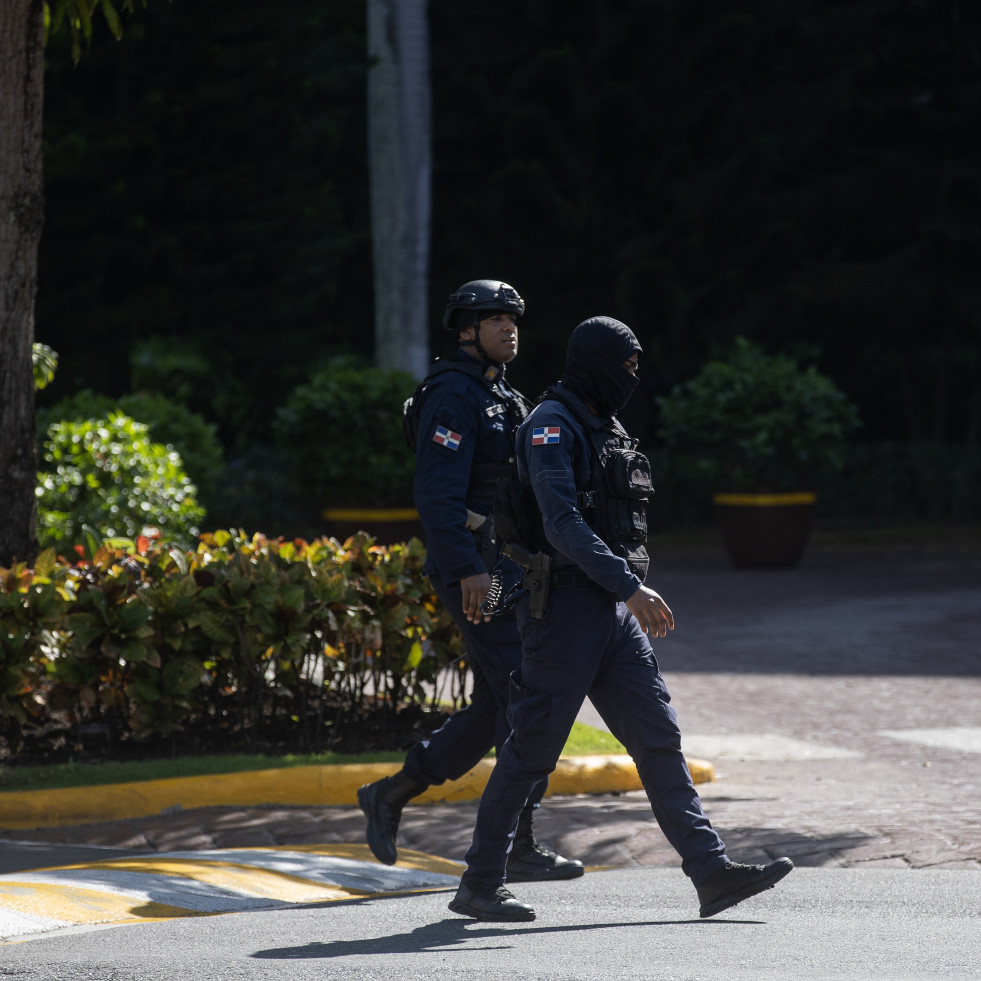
x=475, y=342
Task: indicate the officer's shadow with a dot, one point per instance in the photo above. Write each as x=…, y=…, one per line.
x=449, y=933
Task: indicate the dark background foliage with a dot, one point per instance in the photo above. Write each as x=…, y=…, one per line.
x=805, y=175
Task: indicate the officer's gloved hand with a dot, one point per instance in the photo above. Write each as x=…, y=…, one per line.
x=652, y=613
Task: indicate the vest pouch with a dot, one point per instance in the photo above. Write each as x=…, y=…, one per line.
x=629, y=520
x=636, y=557
x=629, y=474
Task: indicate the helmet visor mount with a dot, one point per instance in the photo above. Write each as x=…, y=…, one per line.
x=483, y=298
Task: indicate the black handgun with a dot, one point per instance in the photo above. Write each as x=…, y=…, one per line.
x=538, y=576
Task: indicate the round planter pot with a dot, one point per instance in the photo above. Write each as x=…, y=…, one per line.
x=765, y=531
x=386, y=525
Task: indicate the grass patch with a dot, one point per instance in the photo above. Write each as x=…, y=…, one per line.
x=583, y=741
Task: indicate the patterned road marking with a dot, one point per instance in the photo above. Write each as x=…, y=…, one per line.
x=173, y=884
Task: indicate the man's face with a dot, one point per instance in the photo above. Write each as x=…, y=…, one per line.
x=498, y=337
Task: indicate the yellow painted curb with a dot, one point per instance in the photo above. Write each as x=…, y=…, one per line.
x=316, y=786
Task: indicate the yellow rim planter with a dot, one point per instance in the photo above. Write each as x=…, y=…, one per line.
x=765, y=531
x=370, y=514
x=765, y=500
x=386, y=525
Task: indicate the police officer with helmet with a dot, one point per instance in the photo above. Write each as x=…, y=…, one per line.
x=586, y=488
x=462, y=419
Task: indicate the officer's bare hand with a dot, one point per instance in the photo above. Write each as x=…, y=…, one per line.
x=474, y=589
x=652, y=613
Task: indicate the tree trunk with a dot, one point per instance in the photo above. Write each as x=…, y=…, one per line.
x=400, y=165
x=21, y=216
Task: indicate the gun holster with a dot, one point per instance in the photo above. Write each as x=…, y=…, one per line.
x=537, y=579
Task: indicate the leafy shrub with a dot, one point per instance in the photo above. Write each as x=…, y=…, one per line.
x=343, y=431
x=107, y=474
x=757, y=422
x=168, y=422
x=237, y=636
x=30, y=605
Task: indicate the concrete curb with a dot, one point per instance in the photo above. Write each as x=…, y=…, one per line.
x=313, y=786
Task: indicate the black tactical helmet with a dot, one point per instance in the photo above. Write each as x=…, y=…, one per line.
x=484, y=295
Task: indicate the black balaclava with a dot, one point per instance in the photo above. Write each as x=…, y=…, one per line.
x=594, y=361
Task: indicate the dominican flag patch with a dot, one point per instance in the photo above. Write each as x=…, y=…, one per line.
x=545, y=434
x=446, y=437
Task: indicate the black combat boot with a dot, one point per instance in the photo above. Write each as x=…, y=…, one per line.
x=530, y=862
x=490, y=904
x=733, y=883
x=382, y=803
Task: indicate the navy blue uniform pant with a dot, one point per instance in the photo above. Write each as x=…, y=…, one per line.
x=468, y=735
x=588, y=644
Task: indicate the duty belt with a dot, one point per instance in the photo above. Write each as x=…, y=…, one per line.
x=569, y=576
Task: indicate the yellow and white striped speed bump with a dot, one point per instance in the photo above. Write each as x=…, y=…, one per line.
x=173, y=884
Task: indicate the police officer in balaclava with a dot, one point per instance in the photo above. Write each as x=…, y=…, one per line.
x=590, y=634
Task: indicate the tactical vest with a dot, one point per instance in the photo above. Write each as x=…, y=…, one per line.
x=614, y=503
x=514, y=403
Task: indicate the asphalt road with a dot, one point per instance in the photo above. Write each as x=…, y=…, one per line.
x=823, y=924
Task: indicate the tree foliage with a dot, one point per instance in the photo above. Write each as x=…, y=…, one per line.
x=206, y=191
x=78, y=14
x=45, y=364
x=804, y=175
x=807, y=176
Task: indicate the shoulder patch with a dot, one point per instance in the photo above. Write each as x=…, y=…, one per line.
x=446, y=437
x=542, y=435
